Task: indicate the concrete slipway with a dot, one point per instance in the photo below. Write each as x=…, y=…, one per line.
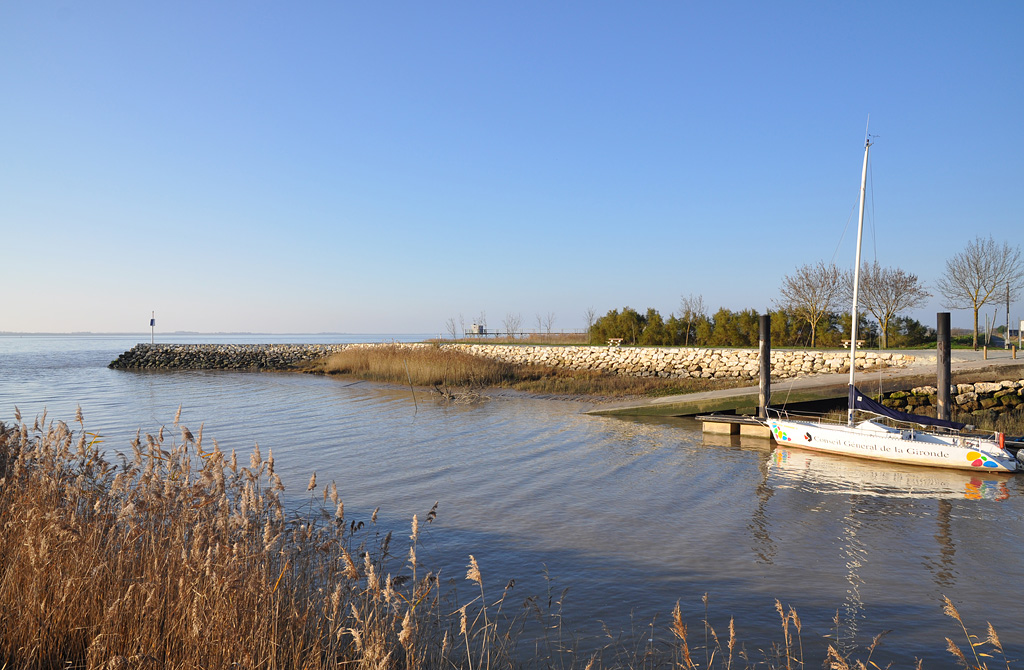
x=966, y=366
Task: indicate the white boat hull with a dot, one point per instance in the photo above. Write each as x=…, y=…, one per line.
x=883, y=443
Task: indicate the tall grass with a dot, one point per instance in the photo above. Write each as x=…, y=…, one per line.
x=178, y=555
x=1009, y=423
x=422, y=366
x=440, y=367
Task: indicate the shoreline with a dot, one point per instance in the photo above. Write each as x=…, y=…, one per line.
x=450, y=373
x=705, y=363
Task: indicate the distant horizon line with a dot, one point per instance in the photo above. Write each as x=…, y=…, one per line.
x=197, y=332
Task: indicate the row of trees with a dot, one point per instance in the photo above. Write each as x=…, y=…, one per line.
x=975, y=276
x=811, y=307
x=726, y=328
x=814, y=292
x=811, y=310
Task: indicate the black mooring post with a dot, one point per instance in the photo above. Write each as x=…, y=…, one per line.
x=944, y=376
x=765, y=352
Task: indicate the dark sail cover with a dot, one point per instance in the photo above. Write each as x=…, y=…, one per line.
x=863, y=402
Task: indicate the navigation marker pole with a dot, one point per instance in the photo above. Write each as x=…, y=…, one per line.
x=152, y=327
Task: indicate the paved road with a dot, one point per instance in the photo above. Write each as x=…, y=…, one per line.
x=929, y=357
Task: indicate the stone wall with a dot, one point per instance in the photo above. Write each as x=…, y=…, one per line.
x=683, y=362
x=678, y=362
x=982, y=400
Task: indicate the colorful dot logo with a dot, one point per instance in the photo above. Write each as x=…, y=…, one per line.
x=780, y=434
x=980, y=460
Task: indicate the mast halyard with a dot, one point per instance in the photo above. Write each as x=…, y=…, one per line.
x=856, y=285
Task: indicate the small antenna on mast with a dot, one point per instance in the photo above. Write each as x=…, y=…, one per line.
x=867, y=136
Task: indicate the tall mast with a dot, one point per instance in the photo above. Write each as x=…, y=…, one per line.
x=856, y=284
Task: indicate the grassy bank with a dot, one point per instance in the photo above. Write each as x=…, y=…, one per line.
x=446, y=368
x=179, y=555
x=1008, y=423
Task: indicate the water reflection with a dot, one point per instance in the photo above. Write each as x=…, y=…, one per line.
x=760, y=525
x=943, y=569
x=829, y=474
x=870, y=491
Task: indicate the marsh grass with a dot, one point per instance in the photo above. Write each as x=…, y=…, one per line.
x=179, y=555
x=446, y=368
x=422, y=366
x=1009, y=423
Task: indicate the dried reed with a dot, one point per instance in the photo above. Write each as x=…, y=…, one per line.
x=443, y=368
x=175, y=556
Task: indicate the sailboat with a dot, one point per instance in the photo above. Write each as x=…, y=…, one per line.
x=918, y=440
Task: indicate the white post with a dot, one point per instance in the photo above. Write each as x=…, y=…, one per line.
x=152, y=328
x=1006, y=335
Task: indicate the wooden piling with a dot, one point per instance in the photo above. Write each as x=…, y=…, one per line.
x=944, y=408
x=765, y=352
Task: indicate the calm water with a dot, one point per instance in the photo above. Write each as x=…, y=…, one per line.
x=630, y=516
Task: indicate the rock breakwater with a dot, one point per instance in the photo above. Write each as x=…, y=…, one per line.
x=221, y=356
x=677, y=362
x=982, y=400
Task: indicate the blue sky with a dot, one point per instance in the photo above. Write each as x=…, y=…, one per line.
x=382, y=167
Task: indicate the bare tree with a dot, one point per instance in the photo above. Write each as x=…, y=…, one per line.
x=691, y=308
x=450, y=327
x=549, y=322
x=590, y=316
x=885, y=292
x=512, y=323
x=811, y=292
x=974, y=276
